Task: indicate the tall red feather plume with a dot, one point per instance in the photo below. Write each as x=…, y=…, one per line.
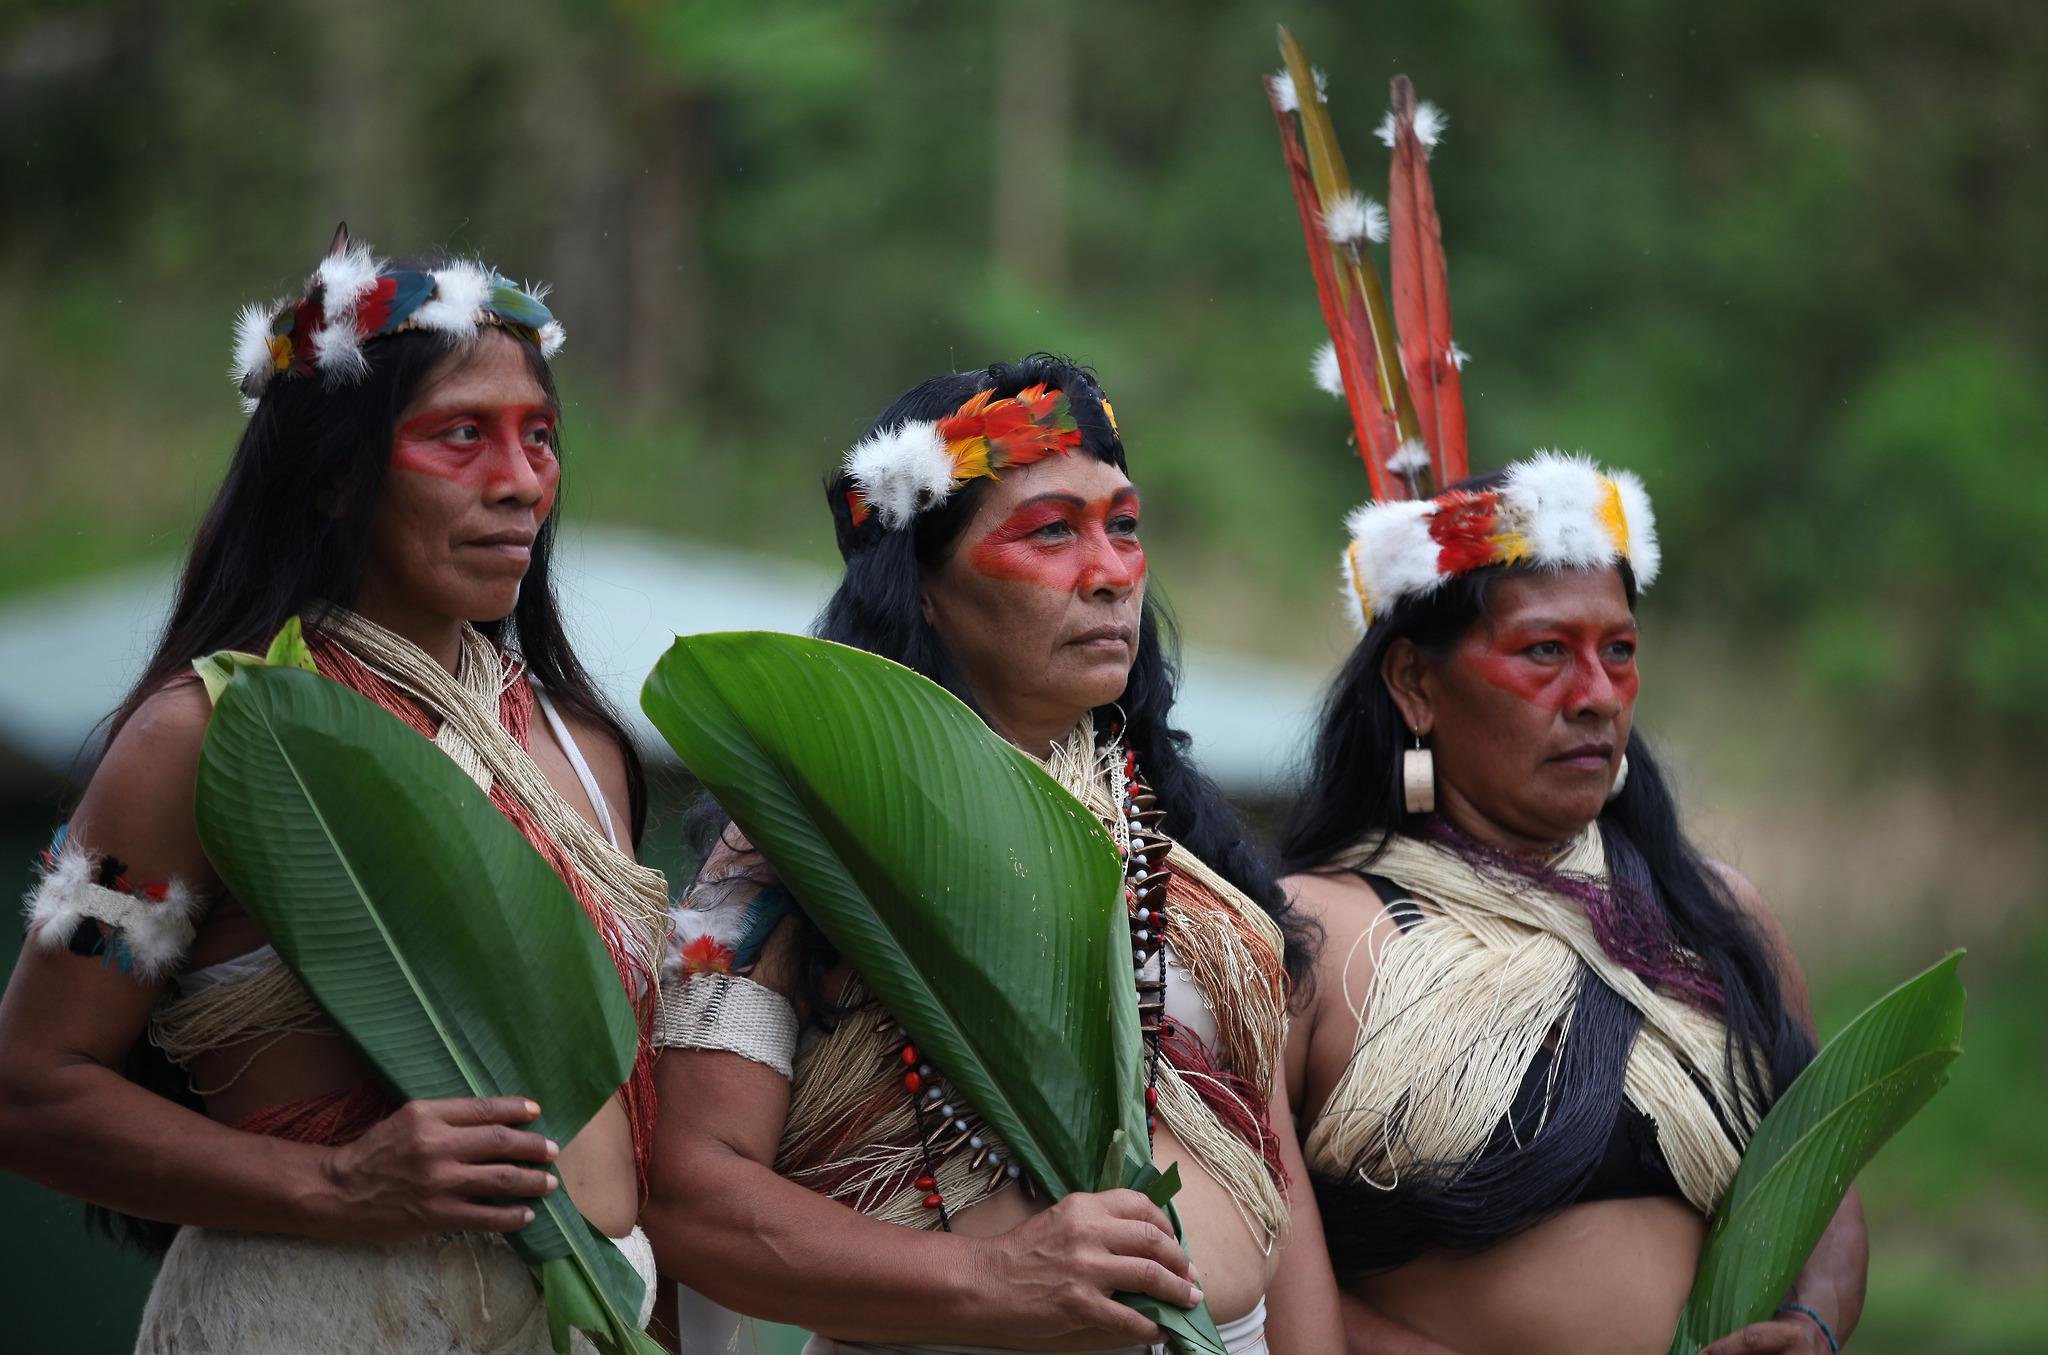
x=1422, y=297
x=1343, y=315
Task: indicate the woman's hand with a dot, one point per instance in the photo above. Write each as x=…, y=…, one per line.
x=429, y=1167
x=1056, y=1271
x=1785, y=1334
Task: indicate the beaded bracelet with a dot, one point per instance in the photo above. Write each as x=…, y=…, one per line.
x=1834, y=1346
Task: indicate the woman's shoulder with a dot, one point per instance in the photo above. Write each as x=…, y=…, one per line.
x=139, y=803
x=1354, y=919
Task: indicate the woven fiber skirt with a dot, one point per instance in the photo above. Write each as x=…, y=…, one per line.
x=230, y=1293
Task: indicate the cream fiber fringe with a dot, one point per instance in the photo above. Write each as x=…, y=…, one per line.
x=271, y=1002
x=234, y=1293
x=1459, y=1004
x=841, y=1073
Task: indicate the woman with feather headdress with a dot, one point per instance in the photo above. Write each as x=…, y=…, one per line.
x=1544, y=1027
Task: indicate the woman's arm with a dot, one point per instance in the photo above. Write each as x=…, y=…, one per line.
x=723, y=1222
x=1302, y=1312
x=1833, y=1280
x=1355, y=925
x=71, y=1121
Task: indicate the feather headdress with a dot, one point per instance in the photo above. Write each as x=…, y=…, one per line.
x=1551, y=512
x=354, y=297
x=1399, y=369
x=901, y=471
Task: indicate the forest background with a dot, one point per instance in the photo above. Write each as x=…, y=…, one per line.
x=1782, y=259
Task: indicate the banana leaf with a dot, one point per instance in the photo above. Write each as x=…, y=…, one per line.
x=1831, y=1121
x=979, y=901
x=429, y=931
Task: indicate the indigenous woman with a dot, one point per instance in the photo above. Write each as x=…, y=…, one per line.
x=812, y=1168
x=394, y=487
x=1544, y=1027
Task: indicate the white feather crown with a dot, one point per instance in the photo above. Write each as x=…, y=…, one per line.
x=1552, y=511
x=354, y=297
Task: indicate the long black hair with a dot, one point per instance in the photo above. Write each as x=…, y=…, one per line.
x=1353, y=791
x=287, y=534
x=876, y=607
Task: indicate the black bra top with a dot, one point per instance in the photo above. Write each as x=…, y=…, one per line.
x=1631, y=1167
x=1531, y=1166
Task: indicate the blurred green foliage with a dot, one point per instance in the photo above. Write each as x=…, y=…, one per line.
x=1783, y=259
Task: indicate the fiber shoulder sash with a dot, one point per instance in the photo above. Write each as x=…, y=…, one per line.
x=1460, y=1004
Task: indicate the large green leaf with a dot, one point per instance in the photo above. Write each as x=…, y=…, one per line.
x=429, y=930
x=1854, y=1096
x=977, y=899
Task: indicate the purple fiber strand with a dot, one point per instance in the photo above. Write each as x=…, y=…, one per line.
x=1629, y=921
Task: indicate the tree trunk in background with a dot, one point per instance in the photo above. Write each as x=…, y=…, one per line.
x=365, y=162
x=1033, y=66
x=666, y=298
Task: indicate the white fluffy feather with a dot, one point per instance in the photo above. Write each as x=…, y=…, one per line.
x=345, y=279
x=1282, y=86
x=1457, y=356
x=1354, y=217
x=901, y=471
x=1430, y=122
x=1644, y=554
x=1554, y=502
x=1409, y=457
x=1287, y=98
x=552, y=337
x=460, y=291
x=253, y=365
x=336, y=352
x=1395, y=554
x=1329, y=376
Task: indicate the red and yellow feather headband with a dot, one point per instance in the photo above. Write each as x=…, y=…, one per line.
x=902, y=471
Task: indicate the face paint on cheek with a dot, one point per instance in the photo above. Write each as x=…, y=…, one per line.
x=549, y=472
x=1555, y=686
x=1017, y=552
x=426, y=447
x=1519, y=676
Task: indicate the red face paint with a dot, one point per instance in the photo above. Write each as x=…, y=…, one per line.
x=496, y=451
x=1560, y=666
x=1067, y=544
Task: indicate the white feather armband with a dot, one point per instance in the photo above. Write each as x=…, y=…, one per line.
x=728, y=1013
x=85, y=904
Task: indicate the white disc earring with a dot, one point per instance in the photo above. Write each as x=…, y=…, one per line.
x=1620, y=778
x=1418, y=779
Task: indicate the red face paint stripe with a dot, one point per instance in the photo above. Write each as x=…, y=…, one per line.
x=1089, y=555
x=430, y=445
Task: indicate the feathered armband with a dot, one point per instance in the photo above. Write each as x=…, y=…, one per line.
x=88, y=905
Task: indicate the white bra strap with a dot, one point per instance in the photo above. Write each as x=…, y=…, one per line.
x=583, y=774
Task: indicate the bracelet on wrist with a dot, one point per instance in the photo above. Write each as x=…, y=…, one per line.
x=1827, y=1334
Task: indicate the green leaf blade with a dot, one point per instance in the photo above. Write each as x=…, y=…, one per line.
x=430, y=932
x=1858, y=1092
x=979, y=902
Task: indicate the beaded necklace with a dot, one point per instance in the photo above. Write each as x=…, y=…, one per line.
x=945, y=1127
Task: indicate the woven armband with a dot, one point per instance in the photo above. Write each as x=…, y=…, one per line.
x=726, y=1012
x=89, y=906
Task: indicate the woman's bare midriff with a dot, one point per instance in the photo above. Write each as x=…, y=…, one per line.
x=596, y=1166
x=1236, y=1268
x=1606, y=1278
